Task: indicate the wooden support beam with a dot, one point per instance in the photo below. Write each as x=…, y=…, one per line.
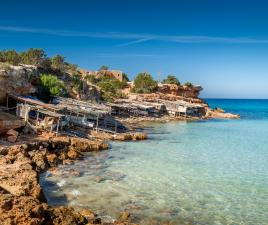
x=51, y=128
x=97, y=122
x=57, y=130
x=37, y=117
x=7, y=101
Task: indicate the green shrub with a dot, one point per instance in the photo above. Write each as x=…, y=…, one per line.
x=71, y=67
x=171, y=80
x=33, y=56
x=111, y=87
x=4, y=66
x=92, y=79
x=104, y=67
x=188, y=84
x=10, y=56
x=77, y=82
x=144, y=83
x=125, y=77
x=58, y=63
x=52, y=85
x=38, y=57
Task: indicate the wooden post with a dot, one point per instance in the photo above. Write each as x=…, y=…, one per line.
x=17, y=110
x=77, y=120
x=7, y=100
x=51, y=128
x=57, y=127
x=25, y=112
x=97, y=122
x=37, y=117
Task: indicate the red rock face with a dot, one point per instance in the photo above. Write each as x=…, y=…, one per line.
x=182, y=91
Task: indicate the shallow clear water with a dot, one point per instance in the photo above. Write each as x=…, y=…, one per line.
x=208, y=172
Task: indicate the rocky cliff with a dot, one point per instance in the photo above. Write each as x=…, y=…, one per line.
x=16, y=79
x=25, y=80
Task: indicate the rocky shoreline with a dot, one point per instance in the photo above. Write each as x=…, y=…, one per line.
x=134, y=122
x=21, y=197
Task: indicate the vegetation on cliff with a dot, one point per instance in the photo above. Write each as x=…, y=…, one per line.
x=37, y=57
x=188, y=84
x=56, y=77
x=171, y=80
x=4, y=66
x=104, y=67
x=51, y=86
x=110, y=86
x=144, y=83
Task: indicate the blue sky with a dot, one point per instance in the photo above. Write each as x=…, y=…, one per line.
x=221, y=45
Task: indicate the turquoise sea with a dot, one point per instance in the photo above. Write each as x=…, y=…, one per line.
x=207, y=172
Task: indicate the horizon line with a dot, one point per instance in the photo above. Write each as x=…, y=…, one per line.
x=229, y=98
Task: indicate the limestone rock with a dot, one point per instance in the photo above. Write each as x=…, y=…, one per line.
x=9, y=121
x=39, y=158
x=98, y=179
x=13, y=133
x=21, y=197
x=124, y=217
x=52, y=159
x=23, y=210
x=73, y=154
x=66, y=216
x=16, y=79
x=90, y=216
x=12, y=139
x=220, y=114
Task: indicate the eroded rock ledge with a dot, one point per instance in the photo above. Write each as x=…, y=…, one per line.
x=21, y=196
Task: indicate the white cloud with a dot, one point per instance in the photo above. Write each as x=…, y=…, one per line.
x=135, y=38
x=112, y=55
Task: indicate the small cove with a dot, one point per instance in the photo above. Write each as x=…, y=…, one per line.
x=204, y=172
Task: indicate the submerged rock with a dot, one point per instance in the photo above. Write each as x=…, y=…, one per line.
x=99, y=179
x=74, y=172
x=115, y=176
x=124, y=217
